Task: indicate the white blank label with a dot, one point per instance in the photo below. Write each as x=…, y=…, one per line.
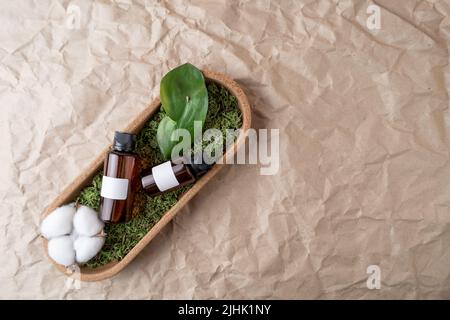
x=114, y=188
x=164, y=177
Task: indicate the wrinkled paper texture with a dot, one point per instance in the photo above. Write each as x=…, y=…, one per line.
x=363, y=115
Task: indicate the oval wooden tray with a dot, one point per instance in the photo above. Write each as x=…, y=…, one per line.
x=74, y=188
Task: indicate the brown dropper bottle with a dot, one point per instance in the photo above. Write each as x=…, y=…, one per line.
x=172, y=174
x=120, y=179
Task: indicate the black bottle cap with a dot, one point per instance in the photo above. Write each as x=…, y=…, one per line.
x=198, y=166
x=124, y=142
x=199, y=169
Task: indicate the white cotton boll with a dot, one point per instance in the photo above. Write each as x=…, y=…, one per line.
x=61, y=250
x=58, y=222
x=86, y=248
x=86, y=222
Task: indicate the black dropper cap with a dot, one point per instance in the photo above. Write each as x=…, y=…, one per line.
x=124, y=142
x=198, y=166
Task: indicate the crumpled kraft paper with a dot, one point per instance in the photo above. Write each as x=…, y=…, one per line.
x=364, y=174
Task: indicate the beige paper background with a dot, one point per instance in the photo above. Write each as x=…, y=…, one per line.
x=364, y=144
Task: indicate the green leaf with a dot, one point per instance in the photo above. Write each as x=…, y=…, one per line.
x=184, y=99
x=183, y=94
x=165, y=129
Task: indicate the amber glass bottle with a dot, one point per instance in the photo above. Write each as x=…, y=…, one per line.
x=171, y=175
x=120, y=180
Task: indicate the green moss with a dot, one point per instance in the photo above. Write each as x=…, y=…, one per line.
x=223, y=114
x=90, y=196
